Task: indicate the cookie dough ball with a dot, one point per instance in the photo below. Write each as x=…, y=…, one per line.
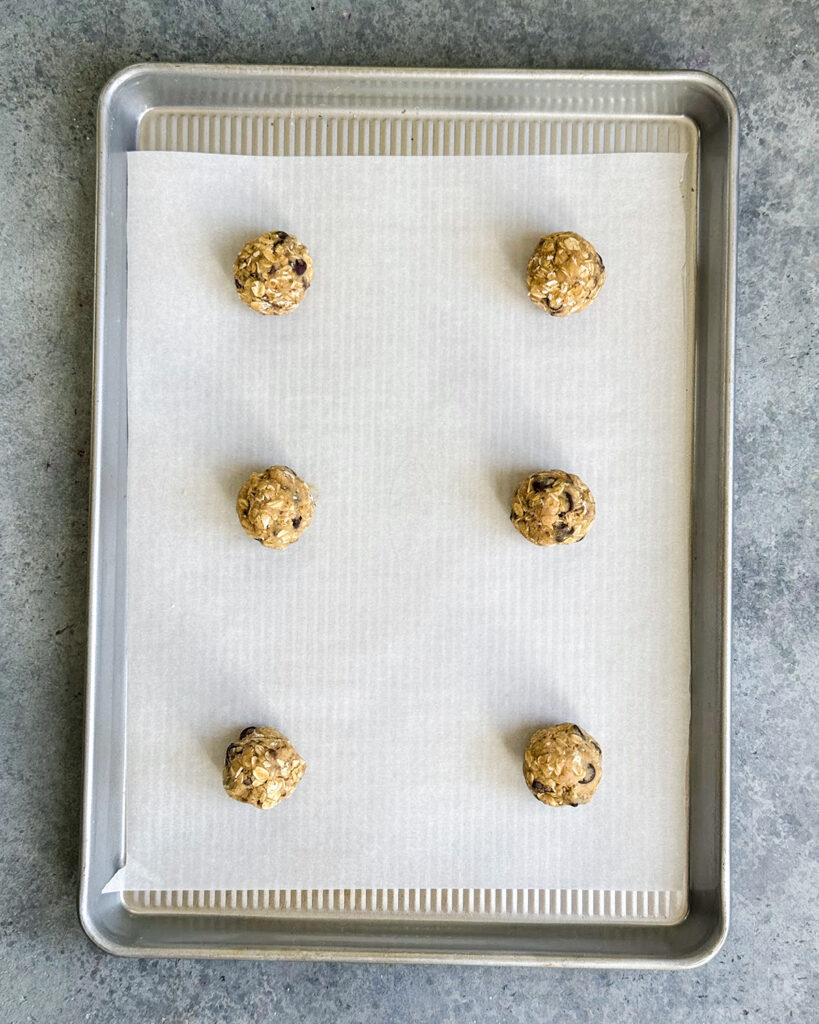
x=275, y=507
x=563, y=765
x=261, y=767
x=552, y=507
x=564, y=274
x=272, y=273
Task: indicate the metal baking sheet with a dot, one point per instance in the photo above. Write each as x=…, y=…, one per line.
x=324, y=111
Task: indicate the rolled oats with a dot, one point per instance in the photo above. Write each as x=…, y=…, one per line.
x=552, y=507
x=563, y=765
x=275, y=507
x=272, y=273
x=261, y=767
x=564, y=274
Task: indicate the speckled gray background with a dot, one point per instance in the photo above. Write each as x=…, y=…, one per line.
x=55, y=59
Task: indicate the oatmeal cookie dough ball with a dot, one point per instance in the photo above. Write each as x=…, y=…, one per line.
x=563, y=765
x=275, y=507
x=272, y=273
x=552, y=507
x=564, y=274
x=261, y=767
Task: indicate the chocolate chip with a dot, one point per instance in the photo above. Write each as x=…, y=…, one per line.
x=572, y=805
x=579, y=731
x=259, y=540
x=238, y=283
x=568, y=498
x=591, y=771
x=538, y=787
x=283, y=236
x=271, y=751
x=231, y=750
x=248, y=780
x=563, y=532
x=543, y=485
x=247, y=731
x=299, y=267
x=596, y=746
x=297, y=522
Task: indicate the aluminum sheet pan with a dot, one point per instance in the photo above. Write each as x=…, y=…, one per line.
x=281, y=111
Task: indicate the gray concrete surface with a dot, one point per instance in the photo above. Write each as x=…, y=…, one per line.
x=55, y=59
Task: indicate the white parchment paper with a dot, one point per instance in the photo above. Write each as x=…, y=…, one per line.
x=412, y=640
